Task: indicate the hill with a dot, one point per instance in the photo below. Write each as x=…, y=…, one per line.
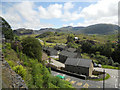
x=100, y=29
x=92, y=29
x=23, y=31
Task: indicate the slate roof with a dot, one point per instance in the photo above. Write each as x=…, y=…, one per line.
x=49, y=49
x=68, y=54
x=78, y=62
x=71, y=49
x=60, y=47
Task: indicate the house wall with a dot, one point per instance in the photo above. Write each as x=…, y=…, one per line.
x=77, y=69
x=91, y=69
x=62, y=58
x=53, y=53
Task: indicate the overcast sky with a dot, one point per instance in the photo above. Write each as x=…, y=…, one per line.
x=36, y=15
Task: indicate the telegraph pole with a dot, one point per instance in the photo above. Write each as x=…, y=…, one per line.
x=103, y=79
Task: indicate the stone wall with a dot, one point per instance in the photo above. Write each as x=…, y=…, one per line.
x=14, y=80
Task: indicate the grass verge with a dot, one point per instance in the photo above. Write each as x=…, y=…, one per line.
x=109, y=67
x=101, y=79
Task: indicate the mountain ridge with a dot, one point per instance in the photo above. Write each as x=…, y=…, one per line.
x=92, y=29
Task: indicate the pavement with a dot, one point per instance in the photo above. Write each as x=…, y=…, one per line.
x=112, y=82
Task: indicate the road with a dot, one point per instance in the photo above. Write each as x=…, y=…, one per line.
x=112, y=82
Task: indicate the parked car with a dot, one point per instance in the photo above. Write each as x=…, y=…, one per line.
x=61, y=76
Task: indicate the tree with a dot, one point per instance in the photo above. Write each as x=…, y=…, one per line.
x=111, y=62
x=70, y=38
x=6, y=29
x=32, y=48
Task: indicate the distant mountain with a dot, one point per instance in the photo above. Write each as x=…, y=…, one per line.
x=100, y=29
x=92, y=29
x=70, y=29
x=23, y=31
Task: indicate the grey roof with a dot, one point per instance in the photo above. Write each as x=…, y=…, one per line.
x=71, y=49
x=78, y=62
x=51, y=49
x=68, y=54
x=60, y=46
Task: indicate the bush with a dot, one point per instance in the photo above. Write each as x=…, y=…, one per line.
x=16, y=45
x=8, y=46
x=92, y=55
x=32, y=48
x=116, y=64
x=20, y=70
x=11, y=63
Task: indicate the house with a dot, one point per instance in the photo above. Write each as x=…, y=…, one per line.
x=79, y=66
x=60, y=47
x=50, y=51
x=75, y=38
x=65, y=54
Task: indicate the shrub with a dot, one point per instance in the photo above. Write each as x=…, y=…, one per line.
x=20, y=70
x=11, y=63
x=16, y=45
x=8, y=46
x=92, y=55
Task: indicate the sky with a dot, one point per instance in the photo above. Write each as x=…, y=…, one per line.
x=38, y=14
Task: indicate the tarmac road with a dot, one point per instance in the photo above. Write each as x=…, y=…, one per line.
x=112, y=82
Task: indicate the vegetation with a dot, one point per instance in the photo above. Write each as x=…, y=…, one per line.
x=32, y=48
x=35, y=74
x=46, y=34
x=6, y=29
x=20, y=70
x=109, y=67
x=101, y=79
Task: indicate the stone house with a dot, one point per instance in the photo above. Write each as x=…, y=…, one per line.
x=65, y=54
x=50, y=51
x=79, y=66
x=60, y=47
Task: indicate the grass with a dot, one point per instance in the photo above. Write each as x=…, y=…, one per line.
x=24, y=36
x=101, y=79
x=109, y=67
x=0, y=45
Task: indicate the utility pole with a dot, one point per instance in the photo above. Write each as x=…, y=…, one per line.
x=103, y=79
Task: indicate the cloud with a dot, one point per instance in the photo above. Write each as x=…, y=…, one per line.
x=28, y=15
x=23, y=15
x=68, y=6
x=52, y=11
x=104, y=11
